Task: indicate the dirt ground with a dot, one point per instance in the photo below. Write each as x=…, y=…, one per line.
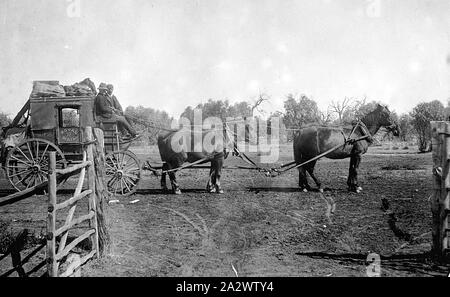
x=263, y=226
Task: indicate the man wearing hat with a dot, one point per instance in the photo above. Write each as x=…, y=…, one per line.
x=105, y=109
x=115, y=103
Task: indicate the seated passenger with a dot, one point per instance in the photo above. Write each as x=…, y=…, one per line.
x=106, y=109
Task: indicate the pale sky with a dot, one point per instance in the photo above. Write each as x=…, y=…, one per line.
x=171, y=54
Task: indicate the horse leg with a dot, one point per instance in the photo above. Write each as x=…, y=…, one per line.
x=210, y=185
x=163, y=178
x=173, y=179
x=352, y=180
x=310, y=169
x=217, y=166
x=357, y=162
x=302, y=180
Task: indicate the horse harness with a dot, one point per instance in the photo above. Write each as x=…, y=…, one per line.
x=365, y=130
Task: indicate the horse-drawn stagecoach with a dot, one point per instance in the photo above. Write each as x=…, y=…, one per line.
x=57, y=124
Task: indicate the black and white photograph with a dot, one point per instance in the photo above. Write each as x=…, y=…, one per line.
x=224, y=145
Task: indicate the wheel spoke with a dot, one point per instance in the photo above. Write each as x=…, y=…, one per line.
x=21, y=167
x=112, y=180
x=121, y=161
x=21, y=180
x=131, y=166
x=115, y=188
x=44, y=178
x=131, y=170
x=126, y=185
x=31, y=152
x=40, y=179
x=37, y=151
x=16, y=166
x=112, y=167
x=18, y=148
x=21, y=161
x=36, y=179
x=32, y=181
x=45, y=150
x=112, y=163
x=19, y=173
x=131, y=176
x=130, y=180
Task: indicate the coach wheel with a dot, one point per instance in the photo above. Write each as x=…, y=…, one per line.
x=123, y=173
x=27, y=164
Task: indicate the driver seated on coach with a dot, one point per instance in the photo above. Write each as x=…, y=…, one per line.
x=107, y=108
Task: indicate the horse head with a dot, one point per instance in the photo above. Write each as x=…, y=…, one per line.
x=386, y=120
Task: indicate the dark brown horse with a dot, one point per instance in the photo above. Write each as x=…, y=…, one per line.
x=202, y=149
x=312, y=141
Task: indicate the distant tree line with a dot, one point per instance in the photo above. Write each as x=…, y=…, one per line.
x=298, y=111
x=301, y=110
x=148, y=120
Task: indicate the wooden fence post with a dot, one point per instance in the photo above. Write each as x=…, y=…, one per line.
x=100, y=192
x=91, y=186
x=441, y=191
x=52, y=264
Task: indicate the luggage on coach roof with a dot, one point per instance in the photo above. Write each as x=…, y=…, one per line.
x=83, y=88
x=47, y=88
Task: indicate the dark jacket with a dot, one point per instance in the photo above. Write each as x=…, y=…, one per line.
x=116, y=104
x=103, y=106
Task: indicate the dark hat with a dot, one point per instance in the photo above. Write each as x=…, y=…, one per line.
x=102, y=86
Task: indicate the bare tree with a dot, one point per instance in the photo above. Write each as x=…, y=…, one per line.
x=339, y=107
x=326, y=118
x=256, y=104
x=361, y=107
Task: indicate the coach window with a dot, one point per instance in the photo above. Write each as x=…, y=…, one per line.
x=70, y=117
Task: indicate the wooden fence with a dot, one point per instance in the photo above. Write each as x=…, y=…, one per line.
x=440, y=199
x=57, y=248
x=57, y=236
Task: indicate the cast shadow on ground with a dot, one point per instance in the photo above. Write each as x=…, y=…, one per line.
x=161, y=192
x=423, y=263
x=282, y=190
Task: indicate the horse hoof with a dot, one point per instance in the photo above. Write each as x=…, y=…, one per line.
x=321, y=190
x=305, y=190
x=219, y=191
x=177, y=192
x=212, y=191
x=359, y=189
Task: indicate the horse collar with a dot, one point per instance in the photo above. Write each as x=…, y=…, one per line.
x=364, y=129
